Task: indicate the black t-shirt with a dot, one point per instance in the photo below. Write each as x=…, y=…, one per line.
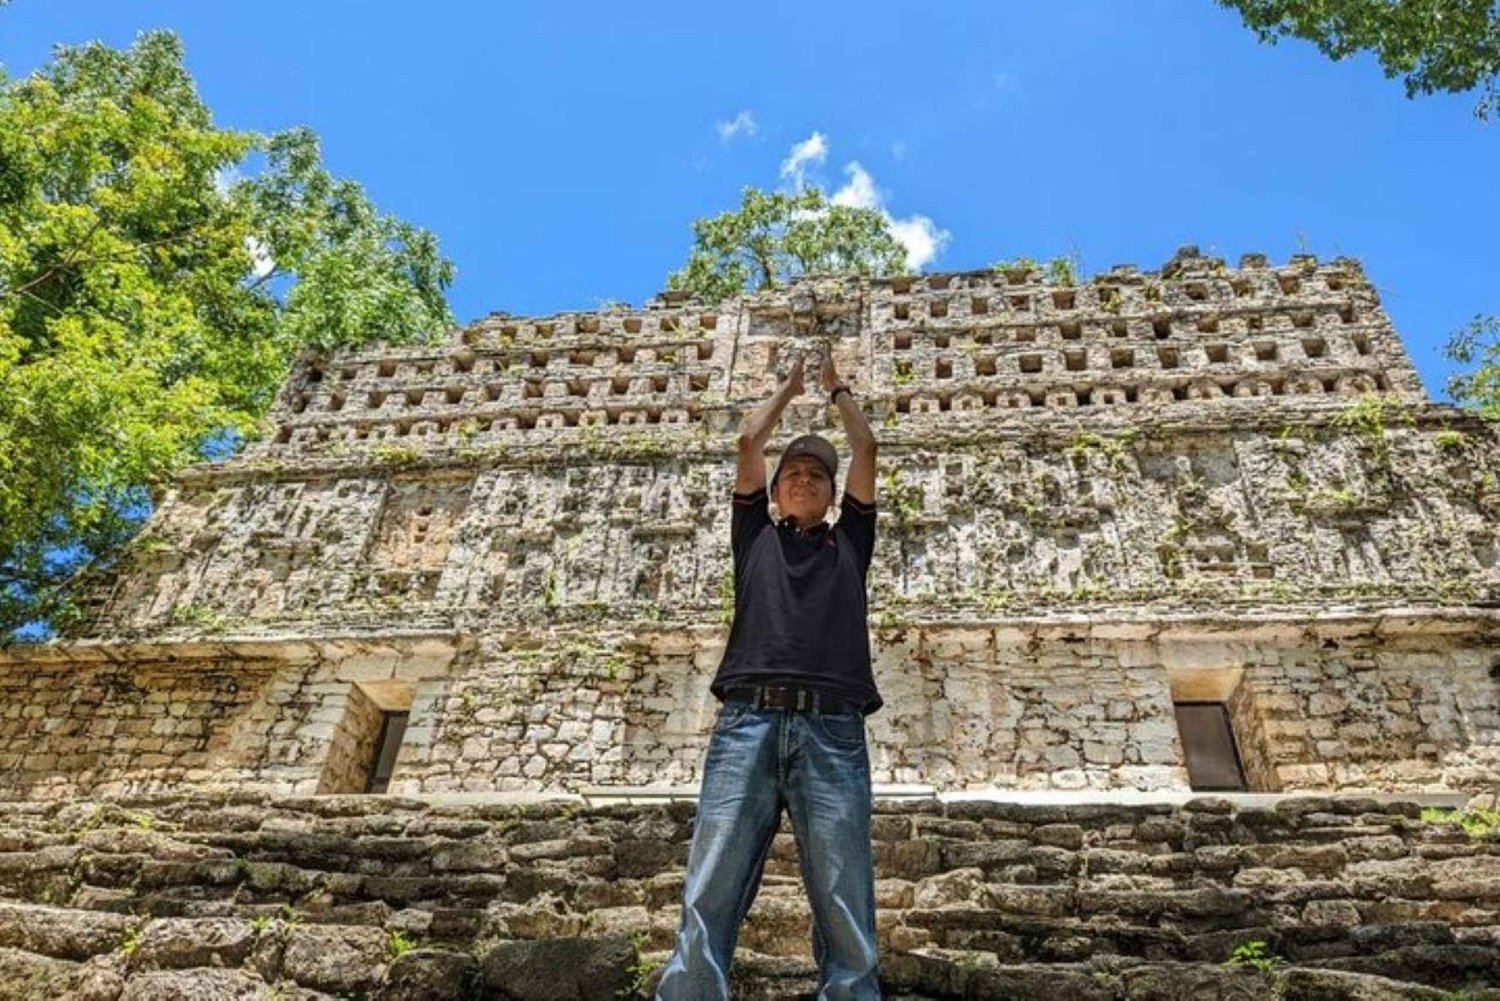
x=800, y=612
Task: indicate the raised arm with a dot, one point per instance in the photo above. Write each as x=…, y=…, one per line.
x=860, y=483
x=756, y=430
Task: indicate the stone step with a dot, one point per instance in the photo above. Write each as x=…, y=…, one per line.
x=349, y=959
x=28, y=976
x=61, y=933
x=317, y=895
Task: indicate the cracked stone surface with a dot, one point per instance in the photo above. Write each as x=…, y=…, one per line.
x=1202, y=483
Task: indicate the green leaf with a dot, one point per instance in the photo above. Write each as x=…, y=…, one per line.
x=776, y=236
x=1435, y=46
x=134, y=325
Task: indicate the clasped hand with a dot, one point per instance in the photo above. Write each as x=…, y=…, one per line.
x=828, y=376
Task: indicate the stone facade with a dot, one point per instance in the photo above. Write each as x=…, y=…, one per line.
x=1095, y=501
x=1098, y=505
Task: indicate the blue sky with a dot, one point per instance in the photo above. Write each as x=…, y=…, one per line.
x=561, y=150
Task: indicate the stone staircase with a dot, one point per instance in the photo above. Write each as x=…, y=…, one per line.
x=249, y=896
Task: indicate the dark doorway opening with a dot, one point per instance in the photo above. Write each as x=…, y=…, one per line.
x=392, y=729
x=1213, y=758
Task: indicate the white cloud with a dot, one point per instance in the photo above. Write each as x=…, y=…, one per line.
x=261, y=263
x=813, y=149
x=898, y=149
x=921, y=237
x=742, y=124
x=859, y=191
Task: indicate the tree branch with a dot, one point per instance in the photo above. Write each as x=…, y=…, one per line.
x=72, y=261
x=276, y=270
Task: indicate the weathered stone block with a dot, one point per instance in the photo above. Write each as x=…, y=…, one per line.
x=174, y=943
x=564, y=969
x=335, y=959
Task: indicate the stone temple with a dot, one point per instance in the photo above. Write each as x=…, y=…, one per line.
x=1184, y=610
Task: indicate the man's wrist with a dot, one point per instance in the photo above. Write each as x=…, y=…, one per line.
x=833, y=394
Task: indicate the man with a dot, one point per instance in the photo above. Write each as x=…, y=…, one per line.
x=796, y=685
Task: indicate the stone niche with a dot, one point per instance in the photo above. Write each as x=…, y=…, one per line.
x=418, y=520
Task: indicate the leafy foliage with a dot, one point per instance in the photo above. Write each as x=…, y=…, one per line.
x=362, y=276
x=1059, y=271
x=775, y=236
x=152, y=296
x=1256, y=954
x=398, y=943
x=1450, y=46
x=1477, y=344
x=640, y=968
x=1476, y=822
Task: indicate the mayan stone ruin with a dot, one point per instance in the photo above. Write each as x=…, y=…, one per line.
x=1183, y=608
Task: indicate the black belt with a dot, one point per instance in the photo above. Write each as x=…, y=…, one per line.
x=794, y=697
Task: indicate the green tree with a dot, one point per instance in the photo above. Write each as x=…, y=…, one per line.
x=1477, y=344
x=775, y=236
x=1450, y=46
x=157, y=276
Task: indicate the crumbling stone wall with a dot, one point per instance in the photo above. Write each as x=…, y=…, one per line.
x=1198, y=434
x=277, y=715
x=1090, y=496
x=986, y=708
x=1345, y=704
x=1378, y=718
x=1084, y=519
x=143, y=725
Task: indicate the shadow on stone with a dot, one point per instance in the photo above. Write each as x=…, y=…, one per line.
x=562, y=969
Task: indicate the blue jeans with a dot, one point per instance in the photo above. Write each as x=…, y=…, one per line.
x=816, y=766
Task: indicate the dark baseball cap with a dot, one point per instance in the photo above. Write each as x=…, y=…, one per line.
x=817, y=447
